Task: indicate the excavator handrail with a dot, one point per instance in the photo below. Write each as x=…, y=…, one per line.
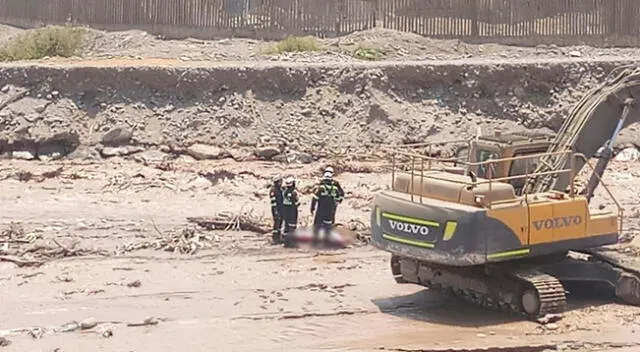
x=606, y=188
x=479, y=163
x=488, y=204
x=515, y=177
x=474, y=183
x=424, y=144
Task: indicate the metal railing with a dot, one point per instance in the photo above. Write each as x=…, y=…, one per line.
x=606, y=188
x=419, y=165
x=473, y=182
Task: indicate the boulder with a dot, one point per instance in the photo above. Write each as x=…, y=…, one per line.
x=23, y=154
x=204, y=151
x=303, y=158
x=117, y=136
x=108, y=152
x=627, y=154
x=267, y=153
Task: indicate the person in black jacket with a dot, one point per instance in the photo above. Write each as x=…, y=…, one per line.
x=290, y=204
x=275, y=195
x=340, y=192
x=324, y=197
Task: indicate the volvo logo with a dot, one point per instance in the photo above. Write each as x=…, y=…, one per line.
x=409, y=228
x=554, y=223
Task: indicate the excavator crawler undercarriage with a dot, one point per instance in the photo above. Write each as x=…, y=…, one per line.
x=533, y=288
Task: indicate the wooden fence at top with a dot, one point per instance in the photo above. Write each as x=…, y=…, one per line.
x=613, y=22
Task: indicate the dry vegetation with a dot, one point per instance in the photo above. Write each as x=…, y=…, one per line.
x=295, y=44
x=368, y=54
x=49, y=41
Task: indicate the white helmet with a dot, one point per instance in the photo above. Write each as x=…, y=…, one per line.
x=327, y=175
x=289, y=181
x=277, y=178
x=329, y=169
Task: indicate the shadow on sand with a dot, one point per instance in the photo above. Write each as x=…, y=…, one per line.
x=440, y=308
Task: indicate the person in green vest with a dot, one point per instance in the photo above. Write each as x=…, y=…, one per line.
x=325, y=197
x=290, y=204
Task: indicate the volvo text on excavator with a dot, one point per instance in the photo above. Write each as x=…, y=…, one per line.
x=507, y=226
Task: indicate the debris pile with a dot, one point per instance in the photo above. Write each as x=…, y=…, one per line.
x=186, y=240
x=90, y=325
x=30, y=249
x=191, y=239
x=361, y=231
x=241, y=221
x=26, y=176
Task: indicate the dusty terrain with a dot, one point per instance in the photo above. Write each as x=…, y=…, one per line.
x=392, y=45
x=105, y=157
x=107, y=229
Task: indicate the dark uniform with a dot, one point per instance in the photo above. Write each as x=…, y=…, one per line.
x=325, y=196
x=290, y=204
x=339, y=197
x=275, y=194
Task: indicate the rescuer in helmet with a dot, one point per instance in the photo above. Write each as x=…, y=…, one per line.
x=275, y=195
x=324, y=197
x=290, y=204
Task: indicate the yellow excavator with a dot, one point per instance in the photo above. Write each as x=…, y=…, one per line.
x=502, y=223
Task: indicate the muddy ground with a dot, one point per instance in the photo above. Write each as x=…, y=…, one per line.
x=106, y=231
x=104, y=160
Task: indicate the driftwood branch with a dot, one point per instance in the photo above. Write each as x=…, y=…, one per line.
x=20, y=261
x=240, y=221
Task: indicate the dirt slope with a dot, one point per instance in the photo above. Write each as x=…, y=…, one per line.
x=313, y=110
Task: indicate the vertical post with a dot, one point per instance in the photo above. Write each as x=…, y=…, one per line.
x=473, y=6
x=526, y=176
x=488, y=198
x=421, y=178
x=393, y=170
x=572, y=174
x=612, y=24
x=429, y=156
x=413, y=161
x=621, y=215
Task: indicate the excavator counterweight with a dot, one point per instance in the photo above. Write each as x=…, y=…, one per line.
x=504, y=227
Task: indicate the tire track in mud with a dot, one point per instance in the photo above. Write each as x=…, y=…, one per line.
x=525, y=348
x=280, y=316
x=558, y=346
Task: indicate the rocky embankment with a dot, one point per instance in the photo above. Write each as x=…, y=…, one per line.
x=293, y=112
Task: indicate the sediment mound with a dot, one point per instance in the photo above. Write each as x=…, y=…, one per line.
x=303, y=111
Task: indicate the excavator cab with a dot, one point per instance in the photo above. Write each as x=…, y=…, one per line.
x=503, y=146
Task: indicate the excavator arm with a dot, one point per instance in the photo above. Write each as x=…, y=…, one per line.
x=594, y=123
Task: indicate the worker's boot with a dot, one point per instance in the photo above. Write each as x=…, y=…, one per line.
x=276, y=237
x=316, y=234
x=289, y=240
x=327, y=235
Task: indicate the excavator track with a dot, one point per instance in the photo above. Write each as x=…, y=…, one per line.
x=627, y=286
x=550, y=292
x=529, y=294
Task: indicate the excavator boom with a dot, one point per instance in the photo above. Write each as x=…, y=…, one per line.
x=606, y=154
x=597, y=119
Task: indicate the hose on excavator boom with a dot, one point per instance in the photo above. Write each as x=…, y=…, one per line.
x=596, y=119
